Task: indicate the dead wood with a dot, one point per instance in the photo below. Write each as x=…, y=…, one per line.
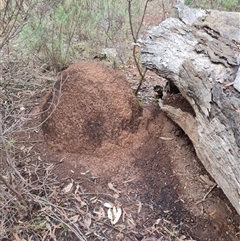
x=200, y=54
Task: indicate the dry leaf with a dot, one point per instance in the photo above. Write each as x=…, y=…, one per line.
x=117, y=212
x=22, y=148
x=114, y=214
x=80, y=210
x=131, y=222
x=87, y=221
x=110, y=185
x=115, y=195
x=84, y=173
x=206, y=179
x=100, y=213
x=93, y=199
x=77, y=188
x=16, y=237
x=213, y=212
x=166, y=138
x=39, y=158
x=110, y=214
x=83, y=204
x=157, y=221
x=74, y=218
x=123, y=215
x=139, y=206
x=68, y=188
x=130, y=180
x=108, y=205
x=78, y=198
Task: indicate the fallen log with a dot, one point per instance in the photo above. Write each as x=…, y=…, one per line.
x=199, y=53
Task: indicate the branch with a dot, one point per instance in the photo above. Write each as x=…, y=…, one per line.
x=19, y=197
x=141, y=72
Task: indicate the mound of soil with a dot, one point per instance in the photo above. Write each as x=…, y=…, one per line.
x=90, y=105
x=98, y=135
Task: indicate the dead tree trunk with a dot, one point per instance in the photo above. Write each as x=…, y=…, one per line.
x=200, y=54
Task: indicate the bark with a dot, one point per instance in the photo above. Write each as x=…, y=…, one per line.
x=199, y=52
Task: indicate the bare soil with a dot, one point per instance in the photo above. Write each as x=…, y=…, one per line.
x=147, y=166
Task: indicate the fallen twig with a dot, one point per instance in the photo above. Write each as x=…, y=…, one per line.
x=205, y=196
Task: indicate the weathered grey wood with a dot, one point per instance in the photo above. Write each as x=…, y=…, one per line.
x=202, y=60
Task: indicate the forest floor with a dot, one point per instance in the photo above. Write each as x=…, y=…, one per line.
x=153, y=187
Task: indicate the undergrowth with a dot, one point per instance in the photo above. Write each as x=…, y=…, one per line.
x=55, y=33
x=227, y=5
x=37, y=40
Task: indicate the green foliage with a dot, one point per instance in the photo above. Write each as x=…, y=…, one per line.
x=51, y=33
x=140, y=103
x=10, y=143
x=188, y=2
x=228, y=5
x=64, y=227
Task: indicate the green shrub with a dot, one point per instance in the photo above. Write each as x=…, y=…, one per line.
x=228, y=5
x=54, y=29
x=51, y=36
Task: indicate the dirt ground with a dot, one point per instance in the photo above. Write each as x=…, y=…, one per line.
x=144, y=166
x=151, y=173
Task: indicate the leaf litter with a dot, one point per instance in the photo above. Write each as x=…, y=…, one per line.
x=63, y=210
x=67, y=210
